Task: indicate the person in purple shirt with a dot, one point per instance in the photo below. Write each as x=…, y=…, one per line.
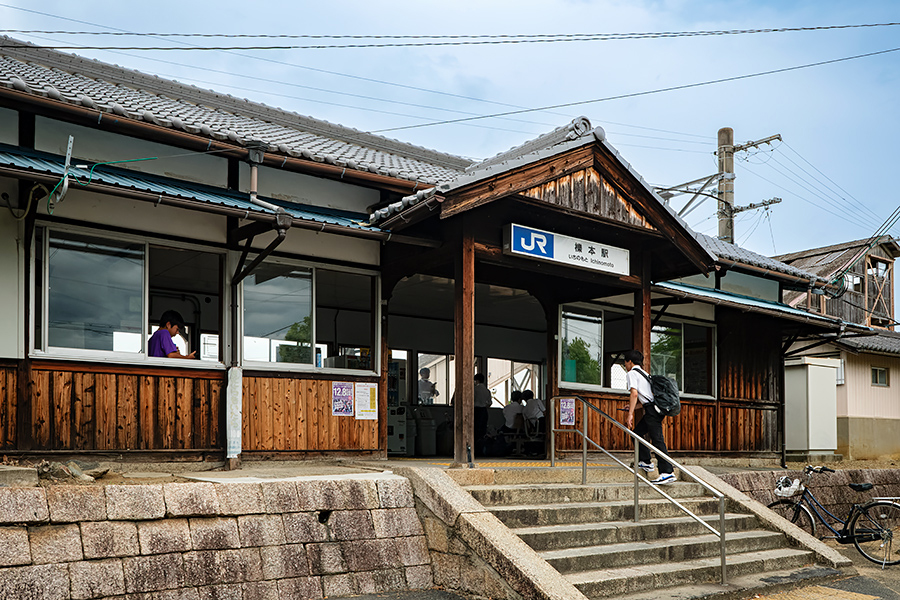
x=161, y=344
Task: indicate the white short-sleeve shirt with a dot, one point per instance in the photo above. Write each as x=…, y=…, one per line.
x=634, y=379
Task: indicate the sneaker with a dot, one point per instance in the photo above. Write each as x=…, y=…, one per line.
x=646, y=466
x=665, y=478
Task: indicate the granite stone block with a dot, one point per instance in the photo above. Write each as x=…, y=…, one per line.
x=76, y=503
x=164, y=536
x=23, y=505
x=109, y=539
x=14, y=547
x=412, y=551
x=261, y=530
x=389, y=580
x=394, y=492
x=351, y=525
x=40, y=582
x=304, y=527
x=190, y=499
x=280, y=497
x=157, y=572
x=337, y=494
x=55, y=543
x=215, y=534
x=230, y=591
x=97, y=578
x=189, y=593
x=240, y=498
x=326, y=558
x=436, y=534
x=396, y=522
x=284, y=562
x=302, y=587
x=212, y=567
x=260, y=590
x=419, y=577
x=343, y=584
x=369, y=555
x=135, y=502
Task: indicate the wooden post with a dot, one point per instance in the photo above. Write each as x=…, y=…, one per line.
x=464, y=350
x=643, y=317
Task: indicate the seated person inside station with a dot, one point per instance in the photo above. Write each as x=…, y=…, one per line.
x=161, y=344
x=512, y=410
x=533, y=411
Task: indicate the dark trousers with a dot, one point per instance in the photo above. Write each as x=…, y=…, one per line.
x=651, y=425
x=480, y=423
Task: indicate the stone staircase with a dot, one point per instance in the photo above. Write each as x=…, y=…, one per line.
x=588, y=533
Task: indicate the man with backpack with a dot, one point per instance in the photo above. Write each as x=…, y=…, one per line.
x=638, y=382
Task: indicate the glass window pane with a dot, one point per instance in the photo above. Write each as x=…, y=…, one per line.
x=698, y=341
x=582, y=347
x=278, y=314
x=665, y=351
x=345, y=324
x=95, y=293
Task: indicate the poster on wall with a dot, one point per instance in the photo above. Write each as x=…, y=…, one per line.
x=341, y=399
x=567, y=411
x=366, y=397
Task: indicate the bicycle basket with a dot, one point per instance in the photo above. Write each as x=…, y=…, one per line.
x=786, y=488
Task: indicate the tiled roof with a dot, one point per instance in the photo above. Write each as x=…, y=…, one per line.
x=731, y=252
x=828, y=260
x=38, y=162
x=884, y=342
x=135, y=95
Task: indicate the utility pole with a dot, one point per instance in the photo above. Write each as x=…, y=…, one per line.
x=725, y=211
x=726, y=208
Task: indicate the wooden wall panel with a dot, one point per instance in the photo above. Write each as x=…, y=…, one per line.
x=8, y=407
x=294, y=415
x=74, y=409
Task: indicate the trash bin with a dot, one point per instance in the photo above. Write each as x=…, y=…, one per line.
x=426, y=438
x=445, y=439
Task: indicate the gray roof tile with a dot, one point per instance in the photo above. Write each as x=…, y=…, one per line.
x=139, y=96
x=884, y=342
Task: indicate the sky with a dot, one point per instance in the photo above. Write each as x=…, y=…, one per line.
x=837, y=121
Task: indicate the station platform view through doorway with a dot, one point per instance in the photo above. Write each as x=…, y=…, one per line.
x=510, y=351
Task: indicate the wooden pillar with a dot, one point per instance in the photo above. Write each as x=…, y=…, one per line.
x=643, y=317
x=464, y=350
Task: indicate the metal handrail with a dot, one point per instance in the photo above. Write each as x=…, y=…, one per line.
x=638, y=478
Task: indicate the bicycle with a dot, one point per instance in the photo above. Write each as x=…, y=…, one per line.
x=871, y=526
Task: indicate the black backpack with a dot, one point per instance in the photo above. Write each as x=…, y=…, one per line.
x=665, y=394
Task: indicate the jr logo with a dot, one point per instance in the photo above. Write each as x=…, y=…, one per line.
x=530, y=241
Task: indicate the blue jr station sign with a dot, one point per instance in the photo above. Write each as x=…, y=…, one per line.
x=553, y=247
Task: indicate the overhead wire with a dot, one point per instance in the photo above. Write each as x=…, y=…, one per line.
x=429, y=40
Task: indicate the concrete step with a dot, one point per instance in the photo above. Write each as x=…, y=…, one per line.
x=606, y=583
x=744, y=586
x=533, y=515
x=554, y=493
x=660, y=551
x=576, y=535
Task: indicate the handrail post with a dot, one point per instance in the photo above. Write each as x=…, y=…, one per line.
x=553, y=417
x=637, y=504
x=722, y=535
x=583, y=443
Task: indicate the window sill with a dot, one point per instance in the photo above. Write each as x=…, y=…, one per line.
x=305, y=369
x=128, y=359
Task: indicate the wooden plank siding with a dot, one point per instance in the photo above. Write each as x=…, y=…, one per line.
x=587, y=191
x=75, y=409
x=8, y=406
x=293, y=414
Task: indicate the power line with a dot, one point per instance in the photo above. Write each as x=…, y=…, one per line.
x=644, y=93
x=452, y=40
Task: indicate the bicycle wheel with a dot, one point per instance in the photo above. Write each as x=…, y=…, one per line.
x=796, y=513
x=876, y=532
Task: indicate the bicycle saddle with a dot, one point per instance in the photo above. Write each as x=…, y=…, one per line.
x=861, y=487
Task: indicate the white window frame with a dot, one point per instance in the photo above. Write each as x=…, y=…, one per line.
x=887, y=377
x=77, y=354
x=571, y=385
x=312, y=368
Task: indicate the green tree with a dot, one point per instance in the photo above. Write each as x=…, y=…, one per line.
x=301, y=333
x=587, y=369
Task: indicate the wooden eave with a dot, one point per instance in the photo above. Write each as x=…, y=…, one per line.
x=599, y=158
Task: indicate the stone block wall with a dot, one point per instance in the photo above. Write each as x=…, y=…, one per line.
x=831, y=489
x=303, y=538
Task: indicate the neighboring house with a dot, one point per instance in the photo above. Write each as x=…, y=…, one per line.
x=303, y=254
x=863, y=270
